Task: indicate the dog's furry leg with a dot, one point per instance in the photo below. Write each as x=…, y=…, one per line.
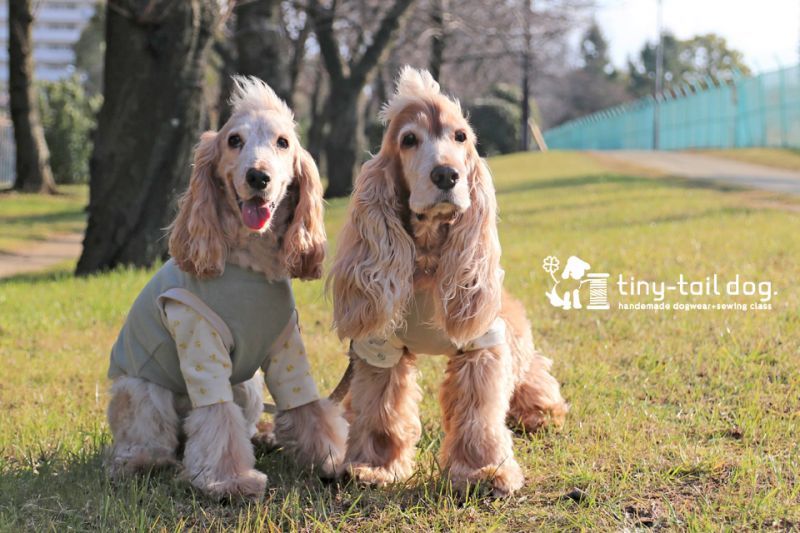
x=145, y=426
x=537, y=400
x=249, y=395
x=475, y=398
x=385, y=426
x=316, y=433
x=218, y=458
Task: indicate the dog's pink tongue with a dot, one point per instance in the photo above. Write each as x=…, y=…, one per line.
x=255, y=213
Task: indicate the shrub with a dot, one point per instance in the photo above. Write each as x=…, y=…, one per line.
x=496, y=119
x=68, y=117
x=496, y=123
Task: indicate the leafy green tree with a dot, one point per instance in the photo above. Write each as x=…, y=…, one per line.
x=594, y=53
x=685, y=61
x=90, y=50
x=596, y=84
x=710, y=55
x=68, y=117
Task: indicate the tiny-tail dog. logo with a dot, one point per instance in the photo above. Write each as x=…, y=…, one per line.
x=566, y=292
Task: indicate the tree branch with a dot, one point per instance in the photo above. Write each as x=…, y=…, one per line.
x=299, y=53
x=328, y=47
x=360, y=69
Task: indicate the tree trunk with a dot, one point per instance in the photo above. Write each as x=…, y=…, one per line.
x=438, y=39
x=344, y=140
x=346, y=82
x=525, y=104
x=227, y=69
x=316, y=130
x=33, y=158
x=150, y=120
x=263, y=48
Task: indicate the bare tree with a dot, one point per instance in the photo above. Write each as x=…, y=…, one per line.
x=438, y=11
x=477, y=45
x=33, y=158
x=152, y=115
x=262, y=46
x=266, y=39
x=347, y=81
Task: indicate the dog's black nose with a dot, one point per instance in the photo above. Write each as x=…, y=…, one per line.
x=444, y=177
x=257, y=179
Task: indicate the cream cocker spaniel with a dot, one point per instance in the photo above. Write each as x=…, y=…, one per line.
x=187, y=361
x=417, y=271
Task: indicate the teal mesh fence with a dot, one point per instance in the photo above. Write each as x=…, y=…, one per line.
x=7, y=154
x=762, y=110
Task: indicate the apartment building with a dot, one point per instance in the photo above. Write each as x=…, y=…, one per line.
x=57, y=25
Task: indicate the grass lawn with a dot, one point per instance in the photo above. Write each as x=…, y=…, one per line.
x=679, y=419
x=32, y=217
x=772, y=157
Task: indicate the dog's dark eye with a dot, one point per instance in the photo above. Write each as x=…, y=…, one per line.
x=461, y=136
x=234, y=141
x=282, y=143
x=409, y=140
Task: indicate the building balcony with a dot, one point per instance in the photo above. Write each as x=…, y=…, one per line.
x=45, y=55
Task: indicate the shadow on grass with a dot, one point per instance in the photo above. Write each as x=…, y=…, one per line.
x=616, y=179
x=53, y=490
x=45, y=218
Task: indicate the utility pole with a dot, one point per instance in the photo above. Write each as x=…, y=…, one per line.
x=659, y=77
x=526, y=89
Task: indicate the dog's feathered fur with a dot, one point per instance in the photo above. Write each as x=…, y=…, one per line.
x=403, y=235
x=208, y=232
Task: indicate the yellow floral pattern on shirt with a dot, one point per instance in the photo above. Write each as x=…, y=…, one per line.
x=204, y=360
x=288, y=373
x=206, y=363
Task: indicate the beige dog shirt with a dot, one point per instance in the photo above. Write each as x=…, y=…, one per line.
x=421, y=336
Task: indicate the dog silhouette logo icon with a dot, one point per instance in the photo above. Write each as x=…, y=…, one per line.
x=566, y=289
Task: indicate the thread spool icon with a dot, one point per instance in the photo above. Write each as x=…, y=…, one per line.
x=598, y=291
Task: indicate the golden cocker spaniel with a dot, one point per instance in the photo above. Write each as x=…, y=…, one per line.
x=418, y=271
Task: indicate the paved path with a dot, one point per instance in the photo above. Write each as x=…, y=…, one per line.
x=54, y=250
x=706, y=167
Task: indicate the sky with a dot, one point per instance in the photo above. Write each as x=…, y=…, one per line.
x=766, y=31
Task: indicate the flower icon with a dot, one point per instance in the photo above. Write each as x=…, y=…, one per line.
x=551, y=264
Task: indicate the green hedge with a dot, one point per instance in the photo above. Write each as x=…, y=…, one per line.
x=68, y=117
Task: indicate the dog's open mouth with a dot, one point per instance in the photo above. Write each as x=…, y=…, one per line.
x=256, y=212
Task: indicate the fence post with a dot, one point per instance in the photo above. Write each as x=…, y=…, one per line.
x=783, y=109
x=762, y=100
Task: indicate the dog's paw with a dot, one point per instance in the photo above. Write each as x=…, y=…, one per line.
x=331, y=468
x=374, y=476
x=264, y=439
x=503, y=480
x=538, y=418
x=250, y=484
x=134, y=460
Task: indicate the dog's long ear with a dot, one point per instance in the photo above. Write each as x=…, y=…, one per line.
x=304, y=241
x=197, y=241
x=372, y=276
x=469, y=275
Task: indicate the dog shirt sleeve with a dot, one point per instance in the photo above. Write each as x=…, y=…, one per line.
x=495, y=336
x=287, y=370
x=383, y=353
x=205, y=361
